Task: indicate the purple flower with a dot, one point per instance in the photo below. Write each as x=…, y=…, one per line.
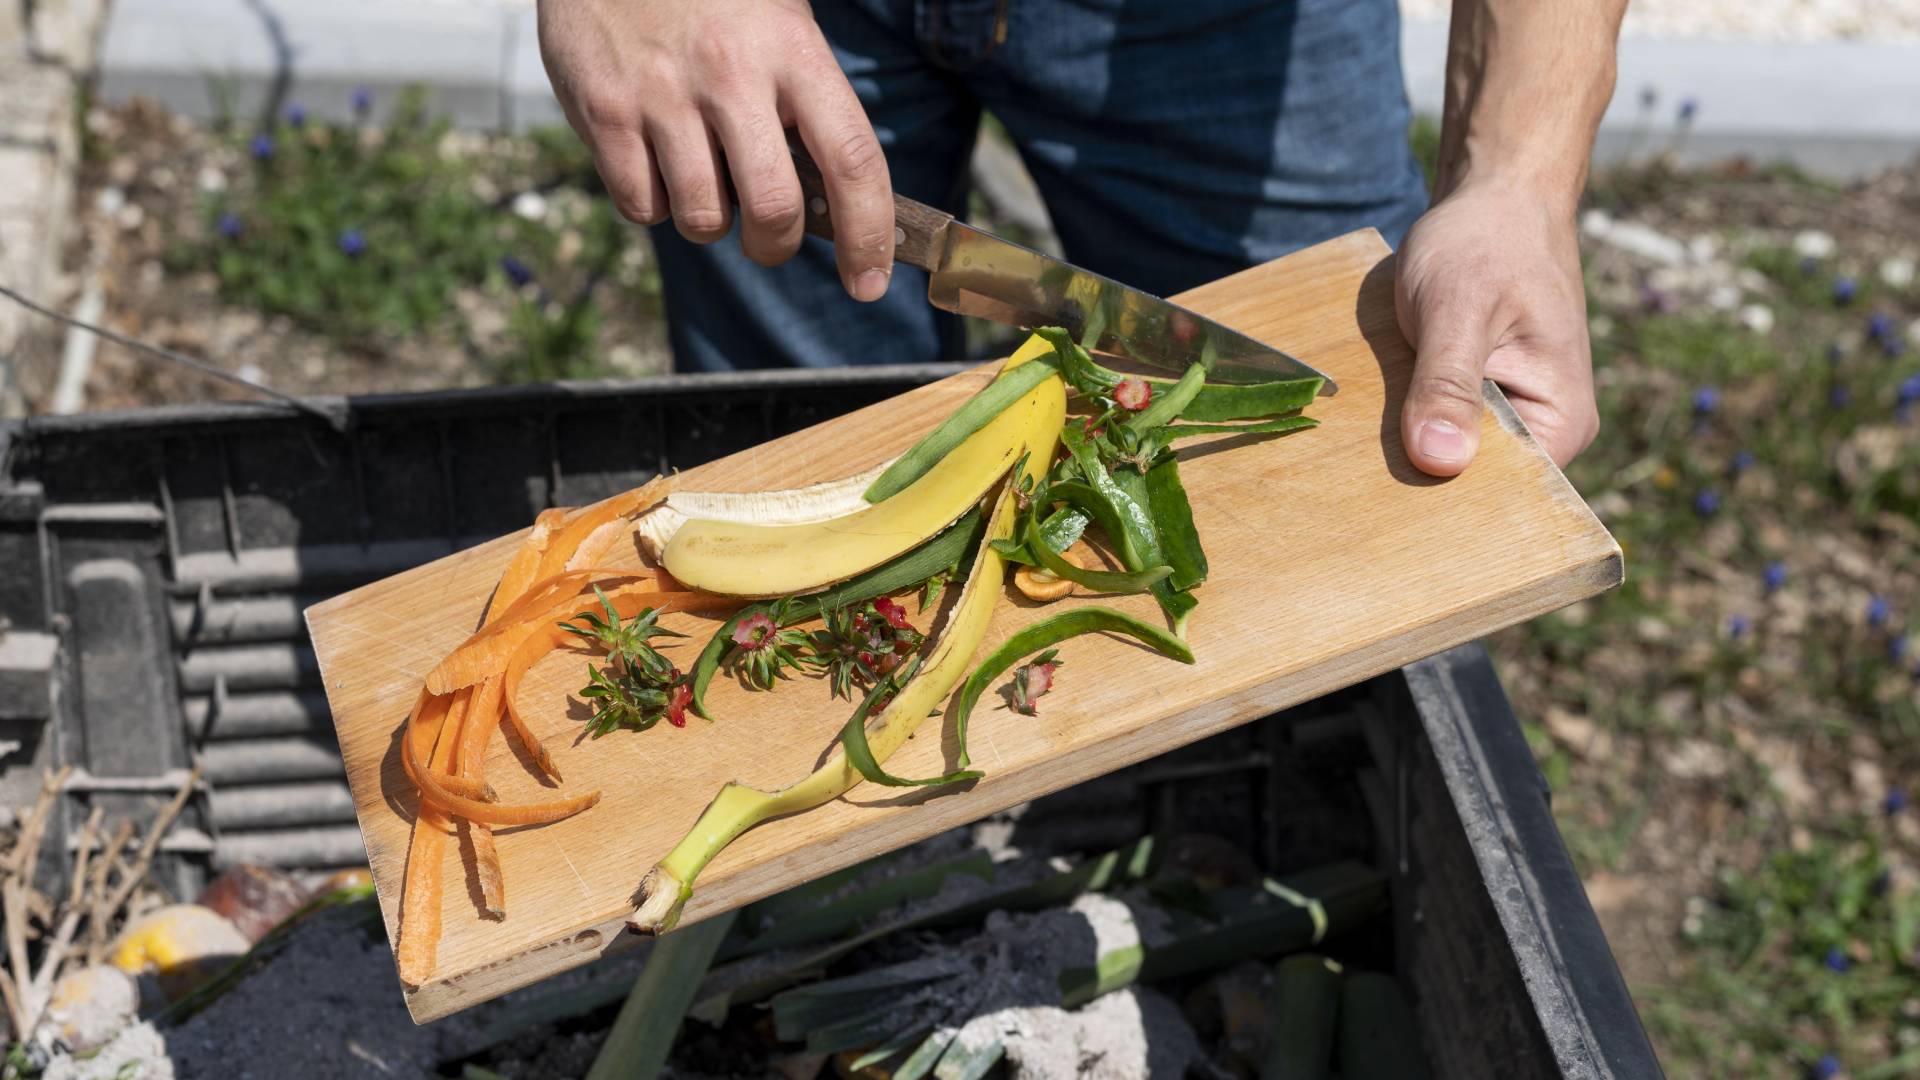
x=1705, y=400
x=1879, y=326
x=1688, y=107
x=1877, y=611
x=1776, y=576
x=1893, y=348
x=1742, y=461
x=362, y=101
x=1826, y=1068
x=517, y=272
x=230, y=225
x=1656, y=300
x=1897, y=648
x=1840, y=397
x=352, y=243
x=1895, y=801
x=1909, y=390
x=1837, y=961
x=1737, y=627
x=262, y=147
x=1844, y=290
x=297, y=114
x=1707, y=503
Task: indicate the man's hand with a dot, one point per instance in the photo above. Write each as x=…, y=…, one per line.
x=1489, y=279
x=676, y=98
x=1489, y=285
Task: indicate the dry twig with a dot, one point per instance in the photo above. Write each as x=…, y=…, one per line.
x=17, y=895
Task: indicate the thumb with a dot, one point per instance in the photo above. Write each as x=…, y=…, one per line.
x=1440, y=424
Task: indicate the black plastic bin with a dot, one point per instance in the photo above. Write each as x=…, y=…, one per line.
x=154, y=564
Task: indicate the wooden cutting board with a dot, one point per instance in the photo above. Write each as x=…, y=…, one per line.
x=1333, y=560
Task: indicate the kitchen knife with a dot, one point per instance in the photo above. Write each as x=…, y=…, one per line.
x=973, y=272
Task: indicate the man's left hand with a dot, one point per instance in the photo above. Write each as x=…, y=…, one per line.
x=1489, y=284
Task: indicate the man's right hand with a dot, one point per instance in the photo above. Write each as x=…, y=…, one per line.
x=674, y=97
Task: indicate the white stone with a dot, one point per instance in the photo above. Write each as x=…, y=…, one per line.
x=1647, y=243
x=1596, y=223
x=108, y=201
x=1757, y=318
x=1724, y=297
x=211, y=180
x=1813, y=244
x=530, y=205
x=1704, y=248
x=1897, y=272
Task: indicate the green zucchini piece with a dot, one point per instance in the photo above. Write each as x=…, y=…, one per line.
x=1305, y=1009
x=1052, y=631
x=1060, y=529
x=1106, y=581
x=1163, y=408
x=1215, y=401
x=964, y=421
x=1173, y=520
x=1161, y=438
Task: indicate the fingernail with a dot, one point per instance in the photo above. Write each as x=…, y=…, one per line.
x=1443, y=441
x=871, y=285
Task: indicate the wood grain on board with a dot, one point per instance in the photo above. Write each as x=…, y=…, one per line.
x=1333, y=560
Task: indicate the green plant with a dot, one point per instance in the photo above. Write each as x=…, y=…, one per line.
x=355, y=232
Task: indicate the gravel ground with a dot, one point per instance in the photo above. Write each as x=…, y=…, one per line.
x=1750, y=20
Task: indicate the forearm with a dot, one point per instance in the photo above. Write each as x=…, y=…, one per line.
x=1526, y=84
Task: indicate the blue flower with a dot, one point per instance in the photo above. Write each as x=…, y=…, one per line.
x=1879, y=326
x=1909, y=390
x=262, y=147
x=1737, y=627
x=1688, y=107
x=1877, y=611
x=362, y=101
x=1776, y=577
x=230, y=225
x=1897, y=648
x=1705, y=400
x=1742, y=461
x=1837, y=961
x=1826, y=1068
x=1840, y=397
x=353, y=242
x=517, y=272
x=1893, y=348
x=1707, y=503
x=297, y=114
x=1895, y=801
x=1844, y=290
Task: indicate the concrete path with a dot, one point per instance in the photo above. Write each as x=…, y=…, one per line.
x=1838, y=108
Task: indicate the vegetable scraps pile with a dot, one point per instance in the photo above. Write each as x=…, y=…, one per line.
x=1009, y=480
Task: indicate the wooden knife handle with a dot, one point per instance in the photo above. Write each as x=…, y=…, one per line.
x=918, y=229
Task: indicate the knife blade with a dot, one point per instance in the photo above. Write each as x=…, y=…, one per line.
x=973, y=272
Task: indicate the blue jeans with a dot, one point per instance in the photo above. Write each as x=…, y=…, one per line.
x=1174, y=141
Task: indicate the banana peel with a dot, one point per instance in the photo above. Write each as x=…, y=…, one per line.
x=738, y=807
x=769, y=558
